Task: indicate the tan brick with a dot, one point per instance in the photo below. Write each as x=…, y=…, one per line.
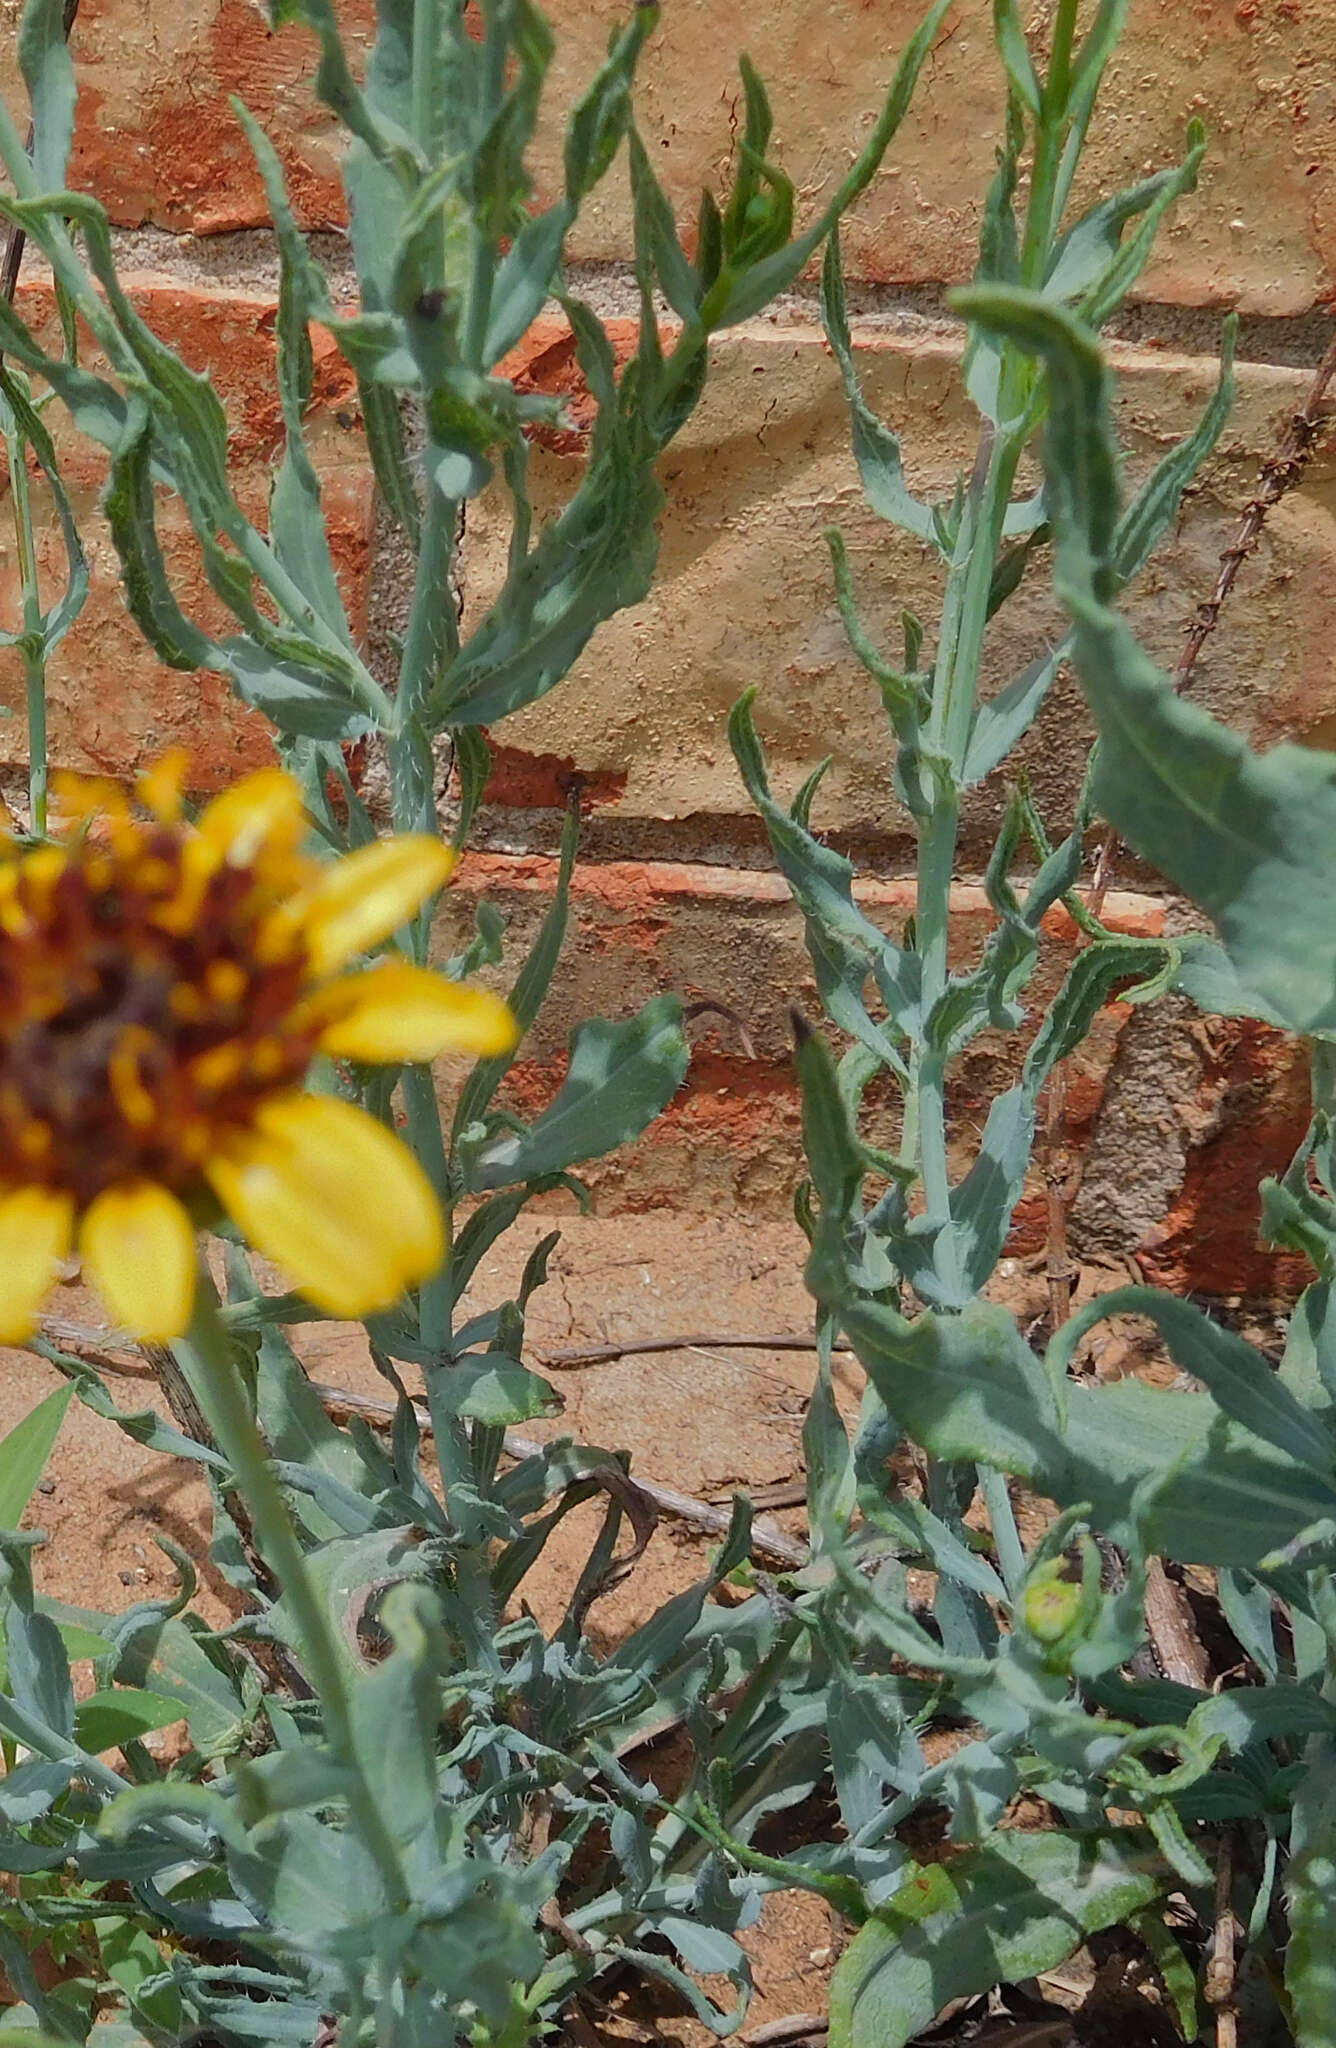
x=112, y=704
x=159, y=143
x=1261, y=232
x=744, y=591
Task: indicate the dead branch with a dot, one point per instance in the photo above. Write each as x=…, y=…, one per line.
x=1222, y=1970
x=1178, y=1652
x=799, y=2026
x=566, y=1359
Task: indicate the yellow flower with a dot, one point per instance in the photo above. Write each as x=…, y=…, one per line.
x=163, y=991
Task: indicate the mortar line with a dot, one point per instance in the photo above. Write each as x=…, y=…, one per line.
x=244, y=259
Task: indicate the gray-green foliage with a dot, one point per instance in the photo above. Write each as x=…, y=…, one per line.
x=399, y=1848
x=446, y=1844
x=1031, y=1645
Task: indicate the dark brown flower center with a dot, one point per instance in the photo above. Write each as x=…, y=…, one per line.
x=145, y=1010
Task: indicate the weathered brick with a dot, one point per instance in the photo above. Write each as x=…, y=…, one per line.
x=158, y=142
x=1261, y=232
x=112, y=704
x=744, y=590
x=1172, y=1118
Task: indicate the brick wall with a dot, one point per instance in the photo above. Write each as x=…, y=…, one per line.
x=1179, y=1117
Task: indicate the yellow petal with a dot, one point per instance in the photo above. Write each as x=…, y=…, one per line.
x=261, y=813
x=335, y=1199
x=162, y=787
x=138, y=1247
x=36, y=1226
x=361, y=899
x=400, y=1012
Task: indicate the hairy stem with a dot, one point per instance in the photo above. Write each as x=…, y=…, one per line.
x=206, y=1354
x=34, y=648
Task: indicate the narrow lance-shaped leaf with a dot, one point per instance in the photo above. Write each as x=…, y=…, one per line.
x=1251, y=837
x=48, y=73
x=736, y=296
x=24, y=1452
x=1018, y=1904
x=30, y=424
x=876, y=448
x=619, y=1078
x=296, y=524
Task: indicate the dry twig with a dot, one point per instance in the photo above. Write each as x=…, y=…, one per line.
x=102, y=1348
x=566, y=1359
x=1222, y=1970
x=1177, y=1650
x=798, y=2026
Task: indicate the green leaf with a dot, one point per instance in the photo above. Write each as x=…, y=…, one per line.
x=1209, y=977
x=48, y=74
x=1001, y=722
x=24, y=1453
x=530, y=988
x=619, y=1078
x=1214, y=1494
x=129, y=507
x=498, y=1392
x=1155, y=507
x=297, y=527
x=106, y=1720
x=1094, y=262
x=594, y=560
x=1018, y=1904
x=964, y=1386
x=1251, y=837
x=1237, y=1375
x=526, y=279
x=300, y=699
x=846, y=948
x=1310, y=1888
x=57, y=621
x=876, y=448
x=300, y=1432
x=161, y=1655
x=601, y=117
x=738, y=293
x=1014, y=51
x=306, y=1880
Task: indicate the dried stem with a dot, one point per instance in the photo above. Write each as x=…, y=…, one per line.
x=1177, y=1650
x=1280, y=473
x=1222, y=1970
x=641, y=1347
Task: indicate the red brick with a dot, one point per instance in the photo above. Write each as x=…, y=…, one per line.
x=157, y=140
x=730, y=937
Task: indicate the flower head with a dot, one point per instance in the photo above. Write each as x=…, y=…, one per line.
x=163, y=991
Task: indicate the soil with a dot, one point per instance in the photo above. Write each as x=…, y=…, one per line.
x=700, y=1419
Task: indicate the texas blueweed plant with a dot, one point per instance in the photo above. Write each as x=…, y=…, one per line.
x=392, y=1768
x=407, y=1814
x=1034, y=1648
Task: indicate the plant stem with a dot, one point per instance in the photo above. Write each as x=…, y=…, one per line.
x=34, y=647
x=1049, y=133
x=206, y=1354
x=483, y=257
